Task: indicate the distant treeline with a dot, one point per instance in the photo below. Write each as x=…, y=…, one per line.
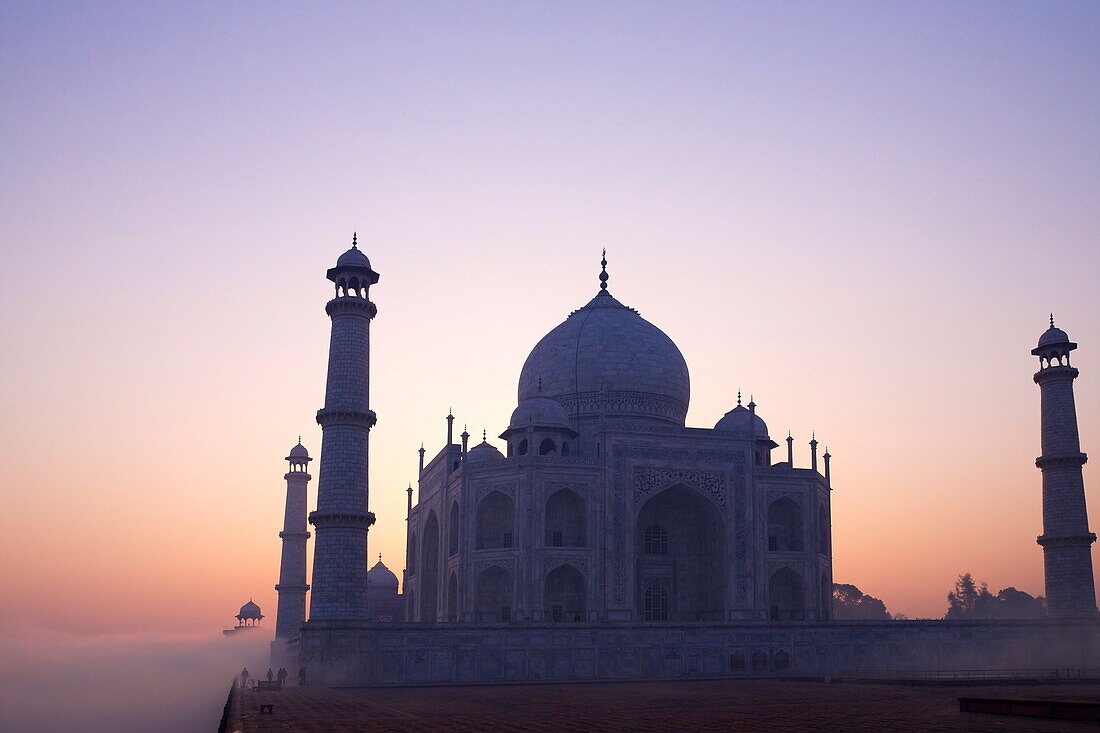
x=969, y=600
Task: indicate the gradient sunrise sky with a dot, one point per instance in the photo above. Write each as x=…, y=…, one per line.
x=860, y=213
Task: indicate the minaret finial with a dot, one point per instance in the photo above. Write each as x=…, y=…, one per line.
x=1052, y=320
x=738, y=397
x=380, y=557
x=484, y=435
x=603, y=273
x=299, y=440
x=355, y=240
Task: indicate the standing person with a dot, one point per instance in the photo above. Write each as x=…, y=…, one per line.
x=244, y=676
x=270, y=674
x=301, y=675
x=282, y=676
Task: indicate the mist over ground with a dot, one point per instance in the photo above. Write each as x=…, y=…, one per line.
x=54, y=681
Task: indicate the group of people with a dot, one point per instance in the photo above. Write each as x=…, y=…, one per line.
x=249, y=681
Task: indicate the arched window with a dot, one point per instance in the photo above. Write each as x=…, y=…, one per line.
x=453, y=529
x=565, y=520
x=494, y=522
x=737, y=661
x=547, y=447
x=565, y=447
x=784, y=526
x=656, y=602
x=656, y=540
x=826, y=598
x=522, y=450
x=760, y=661
x=782, y=660
x=785, y=596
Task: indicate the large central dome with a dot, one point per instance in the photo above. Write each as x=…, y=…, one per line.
x=605, y=358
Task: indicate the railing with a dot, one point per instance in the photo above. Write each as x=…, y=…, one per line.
x=1060, y=673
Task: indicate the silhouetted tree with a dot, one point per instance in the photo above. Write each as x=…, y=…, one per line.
x=962, y=601
x=970, y=600
x=851, y=604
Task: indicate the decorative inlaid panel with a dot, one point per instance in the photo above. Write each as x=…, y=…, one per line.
x=648, y=479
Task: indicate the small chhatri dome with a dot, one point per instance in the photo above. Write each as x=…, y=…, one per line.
x=540, y=412
x=250, y=611
x=740, y=420
x=380, y=576
x=354, y=257
x=299, y=451
x=1053, y=335
x=483, y=452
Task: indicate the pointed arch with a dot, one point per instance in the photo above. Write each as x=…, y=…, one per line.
x=429, y=571
x=566, y=519
x=784, y=526
x=679, y=547
x=452, y=598
x=494, y=594
x=785, y=596
x=454, y=529
x=564, y=594
x=495, y=521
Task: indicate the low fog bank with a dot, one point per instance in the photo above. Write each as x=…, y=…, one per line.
x=53, y=681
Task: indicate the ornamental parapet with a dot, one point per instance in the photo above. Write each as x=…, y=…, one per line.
x=1069, y=459
x=337, y=416
x=351, y=304
x=353, y=520
x=1067, y=541
x=297, y=475
x=294, y=535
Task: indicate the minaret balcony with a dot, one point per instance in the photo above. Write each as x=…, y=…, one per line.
x=1069, y=459
x=335, y=416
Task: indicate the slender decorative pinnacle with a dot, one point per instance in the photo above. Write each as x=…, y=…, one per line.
x=354, y=240
x=484, y=434
x=299, y=440
x=380, y=557
x=1052, y=320
x=738, y=397
x=603, y=273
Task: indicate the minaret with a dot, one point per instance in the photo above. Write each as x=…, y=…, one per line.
x=813, y=451
x=342, y=518
x=790, y=449
x=292, y=570
x=1066, y=540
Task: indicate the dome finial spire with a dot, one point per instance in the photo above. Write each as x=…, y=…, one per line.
x=1052, y=320
x=739, y=397
x=355, y=240
x=603, y=273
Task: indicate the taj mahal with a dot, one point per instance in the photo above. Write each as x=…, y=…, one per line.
x=604, y=538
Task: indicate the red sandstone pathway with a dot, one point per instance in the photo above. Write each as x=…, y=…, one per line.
x=713, y=705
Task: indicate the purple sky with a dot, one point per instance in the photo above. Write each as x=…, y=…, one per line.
x=860, y=212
